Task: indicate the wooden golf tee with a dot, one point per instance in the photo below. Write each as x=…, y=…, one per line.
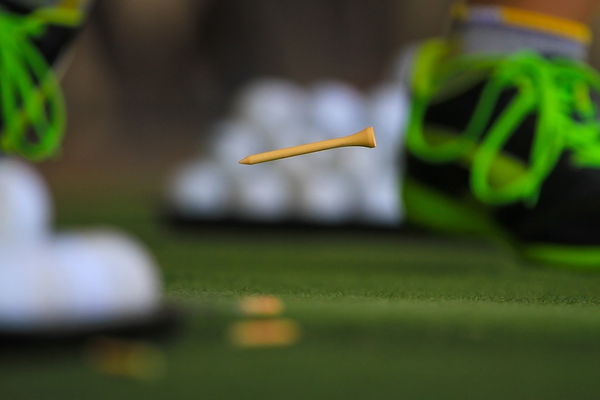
x=364, y=138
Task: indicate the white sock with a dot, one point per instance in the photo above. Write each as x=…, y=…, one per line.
x=503, y=30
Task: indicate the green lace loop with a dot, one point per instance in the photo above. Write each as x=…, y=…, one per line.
x=33, y=111
x=555, y=90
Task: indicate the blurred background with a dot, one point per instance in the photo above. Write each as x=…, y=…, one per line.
x=151, y=79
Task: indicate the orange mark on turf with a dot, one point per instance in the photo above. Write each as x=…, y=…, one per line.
x=125, y=359
x=264, y=333
x=261, y=306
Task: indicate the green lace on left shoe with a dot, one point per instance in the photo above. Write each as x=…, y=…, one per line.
x=554, y=89
x=32, y=105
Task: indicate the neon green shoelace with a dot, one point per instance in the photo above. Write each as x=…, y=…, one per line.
x=554, y=90
x=33, y=111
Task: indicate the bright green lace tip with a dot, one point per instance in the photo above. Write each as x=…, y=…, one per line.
x=554, y=89
x=33, y=110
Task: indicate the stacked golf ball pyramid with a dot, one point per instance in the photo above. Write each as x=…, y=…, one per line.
x=342, y=186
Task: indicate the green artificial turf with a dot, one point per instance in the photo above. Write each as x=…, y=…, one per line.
x=382, y=316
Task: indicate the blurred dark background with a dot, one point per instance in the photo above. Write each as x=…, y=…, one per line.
x=148, y=77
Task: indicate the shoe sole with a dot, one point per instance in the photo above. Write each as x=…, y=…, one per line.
x=435, y=211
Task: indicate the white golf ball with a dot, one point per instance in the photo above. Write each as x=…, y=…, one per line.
x=233, y=140
x=329, y=197
x=388, y=107
x=380, y=199
x=293, y=134
x=271, y=104
x=337, y=109
x=202, y=188
x=105, y=276
x=356, y=160
x=28, y=296
x=75, y=280
x=25, y=210
x=264, y=194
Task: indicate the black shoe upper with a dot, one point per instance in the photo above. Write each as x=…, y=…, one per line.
x=55, y=38
x=568, y=208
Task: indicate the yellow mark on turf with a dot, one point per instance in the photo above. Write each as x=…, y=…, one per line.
x=137, y=360
x=264, y=333
x=266, y=306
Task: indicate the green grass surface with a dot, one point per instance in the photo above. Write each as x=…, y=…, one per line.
x=382, y=316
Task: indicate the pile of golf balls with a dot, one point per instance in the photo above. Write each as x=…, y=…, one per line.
x=347, y=185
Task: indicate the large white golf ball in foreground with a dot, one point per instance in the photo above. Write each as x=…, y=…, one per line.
x=109, y=275
x=28, y=292
x=77, y=280
x=25, y=207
